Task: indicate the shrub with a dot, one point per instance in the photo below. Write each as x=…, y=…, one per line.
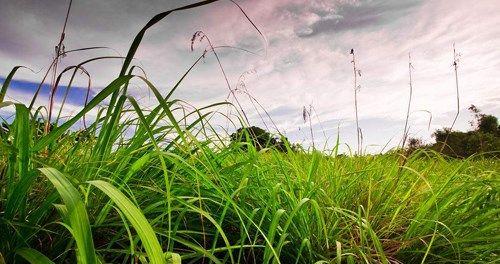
x=484, y=138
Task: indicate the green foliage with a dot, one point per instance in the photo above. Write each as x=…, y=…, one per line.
x=484, y=139
x=74, y=215
x=33, y=256
x=259, y=139
x=220, y=204
x=414, y=144
x=136, y=218
x=466, y=144
x=488, y=124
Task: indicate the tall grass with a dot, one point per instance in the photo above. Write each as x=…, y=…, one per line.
x=410, y=95
x=164, y=186
x=359, y=135
x=456, y=60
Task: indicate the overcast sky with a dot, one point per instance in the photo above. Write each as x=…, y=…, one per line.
x=303, y=60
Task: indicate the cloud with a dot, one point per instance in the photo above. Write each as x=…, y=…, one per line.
x=360, y=16
x=307, y=60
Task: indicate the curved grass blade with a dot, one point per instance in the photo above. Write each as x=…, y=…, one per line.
x=130, y=55
x=115, y=85
x=76, y=215
x=272, y=232
x=33, y=256
x=7, y=81
x=157, y=18
x=136, y=218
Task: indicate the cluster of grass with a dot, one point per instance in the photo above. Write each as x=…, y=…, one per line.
x=195, y=201
x=164, y=186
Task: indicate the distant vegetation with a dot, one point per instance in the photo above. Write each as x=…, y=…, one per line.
x=260, y=139
x=483, y=139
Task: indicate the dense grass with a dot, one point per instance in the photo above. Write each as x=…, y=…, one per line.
x=228, y=205
x=162, y=185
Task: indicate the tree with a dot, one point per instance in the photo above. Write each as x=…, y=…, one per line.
x=484, y=123
x=414, y=144
x=488, y=124
x=484, y=137
x=259, y=138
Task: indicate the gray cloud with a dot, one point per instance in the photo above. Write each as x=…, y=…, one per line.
x=365, y=15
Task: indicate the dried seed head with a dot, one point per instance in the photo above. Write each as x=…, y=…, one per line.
x=304, y=114
x=192, y=41
x=195, y=36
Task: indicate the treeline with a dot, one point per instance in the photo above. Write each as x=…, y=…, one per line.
x=484, y=138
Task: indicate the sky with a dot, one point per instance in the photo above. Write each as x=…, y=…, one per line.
x=301, y=60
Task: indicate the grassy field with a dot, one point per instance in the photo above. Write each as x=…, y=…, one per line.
x=204, y=202
x=162, y=185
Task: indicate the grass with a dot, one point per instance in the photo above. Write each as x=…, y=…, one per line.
x=163, y=185
x=356, y=72
x=226, y=205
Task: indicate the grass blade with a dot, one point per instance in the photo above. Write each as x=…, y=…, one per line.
x=7, y=81
x=33, y=256
x=136, y=218
x=20, y=162
x=77, y=216
x=54, y=134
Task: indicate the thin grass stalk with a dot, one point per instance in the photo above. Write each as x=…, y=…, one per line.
x=356, y=72
x=42, y=82
x=242, y=86
x=306, y=117
x=310, y=127
x=59, y=49
x=406, y=129
x=320, y=125
x=202, y=36
x=66, y=93
x=56, y=83
x=456, y=59
x=49, y=138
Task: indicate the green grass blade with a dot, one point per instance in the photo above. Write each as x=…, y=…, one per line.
x=6, y=83
x=131, y=53
x=54, y=134
x=76, y=215
x=273, y=228
x=33, y=256
x=137, y=220
x=157, y=18
x=18, y=188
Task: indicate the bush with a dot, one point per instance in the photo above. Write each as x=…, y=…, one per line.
x=466, y=144
x=484, y=138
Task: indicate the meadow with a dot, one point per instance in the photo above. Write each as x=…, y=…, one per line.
x=164, y=185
